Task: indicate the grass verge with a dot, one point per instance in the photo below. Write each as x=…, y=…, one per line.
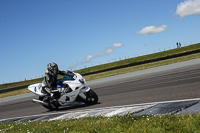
x=120, y=71
x=114, y=64
x=142, y=67
x=9, y=85
x=140, y=58
x=15, y=92
x=126, y=123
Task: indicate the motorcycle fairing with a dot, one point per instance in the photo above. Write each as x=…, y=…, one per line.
x=36, y=88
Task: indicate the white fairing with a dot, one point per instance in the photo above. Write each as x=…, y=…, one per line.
x=77, y=87
x=75, y=83
x=36, y=88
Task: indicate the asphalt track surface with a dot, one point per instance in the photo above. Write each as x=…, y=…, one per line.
x=153, y=85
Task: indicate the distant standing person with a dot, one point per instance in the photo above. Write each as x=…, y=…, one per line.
x=179, y=44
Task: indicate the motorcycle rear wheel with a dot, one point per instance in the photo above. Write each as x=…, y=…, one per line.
x=51, y=105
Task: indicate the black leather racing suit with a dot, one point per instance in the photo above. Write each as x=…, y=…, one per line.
x=49, y=84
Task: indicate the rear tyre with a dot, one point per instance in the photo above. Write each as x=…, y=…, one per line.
x=51, y=106
x=44, y=99
x=91, y=97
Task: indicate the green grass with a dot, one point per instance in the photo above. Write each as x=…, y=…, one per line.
x=140, y=58
x=116, y=124
x=114, y=64
x=8, y=85
x=115, y=72
x=141, y=67
x=15, y=92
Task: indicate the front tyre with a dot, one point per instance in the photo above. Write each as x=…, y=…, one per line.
x=91, y=97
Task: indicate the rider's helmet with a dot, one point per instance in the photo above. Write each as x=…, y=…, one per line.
x=52, y=67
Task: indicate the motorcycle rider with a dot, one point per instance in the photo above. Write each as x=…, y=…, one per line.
x=49, y=84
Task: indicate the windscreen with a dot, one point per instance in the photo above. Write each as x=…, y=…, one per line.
x=68, y=77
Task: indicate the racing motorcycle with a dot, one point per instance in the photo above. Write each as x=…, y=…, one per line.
x=72, y=91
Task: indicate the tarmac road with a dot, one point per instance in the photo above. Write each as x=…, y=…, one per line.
x=171, y=82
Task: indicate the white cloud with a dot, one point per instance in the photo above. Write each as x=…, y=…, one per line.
x=100, y=54
x=117, y=45
x=106, y=51
x=109, y=50
x=188, y=7
x=152, y=29
x=88, y=58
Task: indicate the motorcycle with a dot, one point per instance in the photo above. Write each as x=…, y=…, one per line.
x=72, y=91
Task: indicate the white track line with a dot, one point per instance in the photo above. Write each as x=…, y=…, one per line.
x=105, y=111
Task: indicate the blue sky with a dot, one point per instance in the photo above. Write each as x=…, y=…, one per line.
x=83, y=33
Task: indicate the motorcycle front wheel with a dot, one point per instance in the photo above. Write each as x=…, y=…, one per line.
x=91, y=97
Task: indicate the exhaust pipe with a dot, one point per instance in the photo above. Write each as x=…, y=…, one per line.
x=40, y=102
